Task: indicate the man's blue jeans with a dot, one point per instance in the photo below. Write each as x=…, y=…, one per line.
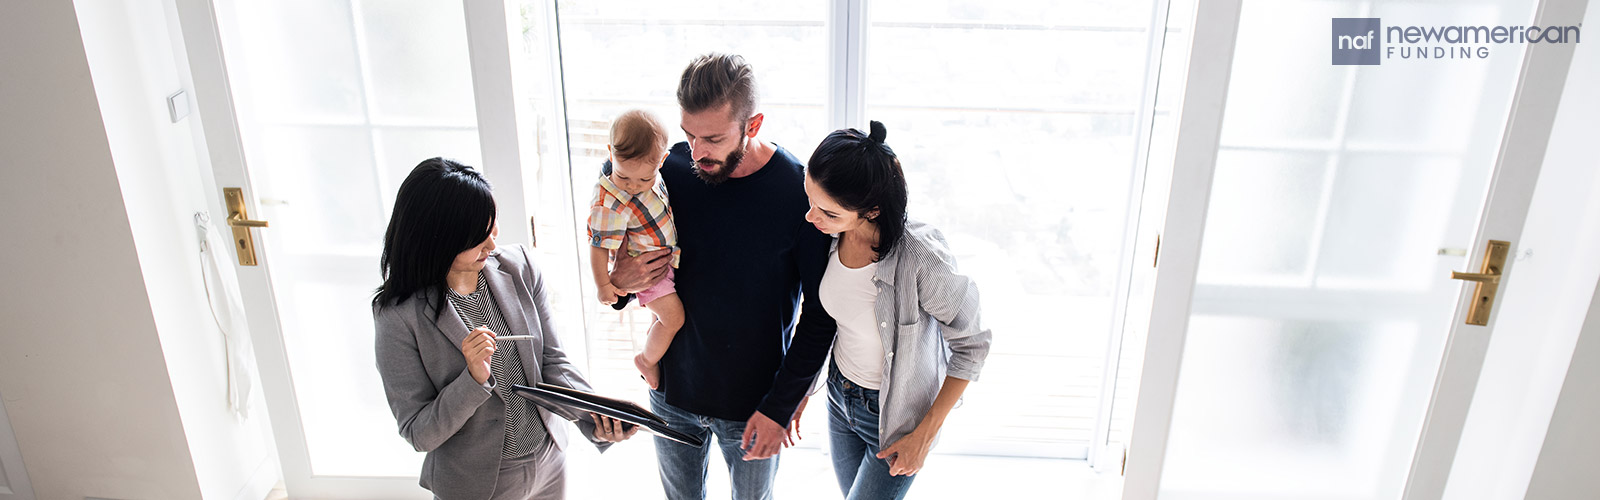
x=683, y=467
x=853, y=439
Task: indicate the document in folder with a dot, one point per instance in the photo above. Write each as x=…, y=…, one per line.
x=574, y=404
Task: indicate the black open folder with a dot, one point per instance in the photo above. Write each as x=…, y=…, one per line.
x=575, y=404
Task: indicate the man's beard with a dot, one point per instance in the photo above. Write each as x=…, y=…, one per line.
x=728, y=164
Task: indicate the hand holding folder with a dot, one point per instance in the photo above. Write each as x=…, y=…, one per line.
x=574, y=404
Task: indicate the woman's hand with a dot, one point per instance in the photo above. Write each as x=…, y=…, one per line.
x=906, y=455
x=794, y=423
x=610, y=430
x=478, y=348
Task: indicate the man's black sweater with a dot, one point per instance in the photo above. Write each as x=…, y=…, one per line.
x=748, y=256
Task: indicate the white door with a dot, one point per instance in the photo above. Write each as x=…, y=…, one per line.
x=1307, y=340
x=317, y=110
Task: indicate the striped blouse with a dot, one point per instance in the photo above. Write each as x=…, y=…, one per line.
x=524, y=430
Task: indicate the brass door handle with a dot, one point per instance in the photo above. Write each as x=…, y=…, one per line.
x=247, y=223
x=1487, y=279
x=1478, y=277
x=239, y=219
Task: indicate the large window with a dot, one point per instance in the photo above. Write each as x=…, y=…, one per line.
x=1045, y=135
x=1021, y=126
x=621, y=55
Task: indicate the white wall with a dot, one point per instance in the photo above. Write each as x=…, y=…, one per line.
x=1545, y=302
x=1571, y=456
x=111, y=369
x=81, y=367
x=136, y=59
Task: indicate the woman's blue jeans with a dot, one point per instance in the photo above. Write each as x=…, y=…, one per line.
x=853, y=435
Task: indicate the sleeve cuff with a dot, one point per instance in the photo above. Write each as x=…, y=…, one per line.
x=970, y=375
x=776, y=414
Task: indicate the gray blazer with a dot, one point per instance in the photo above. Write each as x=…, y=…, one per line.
x=928, y=321
x=440, y=409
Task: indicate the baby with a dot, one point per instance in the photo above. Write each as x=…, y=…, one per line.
x=630, y=201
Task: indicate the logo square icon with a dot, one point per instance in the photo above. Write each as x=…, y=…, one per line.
x=1357, y=41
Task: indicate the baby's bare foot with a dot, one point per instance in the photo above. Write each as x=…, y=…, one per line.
x=651, y=371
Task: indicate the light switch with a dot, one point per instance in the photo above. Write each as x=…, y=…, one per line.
x=178, y=105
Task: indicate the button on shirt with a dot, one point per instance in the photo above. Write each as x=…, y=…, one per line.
x=933, y=312
x=524, y=430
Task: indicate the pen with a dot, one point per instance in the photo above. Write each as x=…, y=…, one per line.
x=509, y=337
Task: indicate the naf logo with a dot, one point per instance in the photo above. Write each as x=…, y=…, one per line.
x=1357, y=41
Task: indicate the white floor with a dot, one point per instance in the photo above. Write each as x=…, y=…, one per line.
x=629, y=471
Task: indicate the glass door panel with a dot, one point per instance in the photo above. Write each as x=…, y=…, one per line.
x=1343, y=196
x=1025, y=154
x=336, y=102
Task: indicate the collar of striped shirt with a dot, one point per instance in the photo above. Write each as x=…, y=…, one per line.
x=483, y=286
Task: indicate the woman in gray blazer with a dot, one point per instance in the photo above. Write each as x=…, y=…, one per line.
x=909, y=339
x=447, y=293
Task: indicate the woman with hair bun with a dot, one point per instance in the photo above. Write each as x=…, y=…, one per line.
x=909, y=340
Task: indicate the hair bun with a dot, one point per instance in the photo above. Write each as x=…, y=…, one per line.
x=878, y=132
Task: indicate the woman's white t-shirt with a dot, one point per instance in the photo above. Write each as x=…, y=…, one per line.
x=848, y=295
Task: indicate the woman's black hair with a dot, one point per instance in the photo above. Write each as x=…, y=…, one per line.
x=443, y=208
x=863, y=174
